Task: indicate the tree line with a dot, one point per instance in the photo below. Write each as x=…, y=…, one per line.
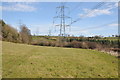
x=8, y=33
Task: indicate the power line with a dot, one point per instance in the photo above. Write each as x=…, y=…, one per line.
x=97, y=26
x=49, y=33
x=62, y=17
x=19, y=24
x=95, y=7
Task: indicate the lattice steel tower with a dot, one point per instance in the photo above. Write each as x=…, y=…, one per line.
x=62, y=18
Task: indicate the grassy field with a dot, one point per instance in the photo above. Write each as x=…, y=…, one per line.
x=27, y=61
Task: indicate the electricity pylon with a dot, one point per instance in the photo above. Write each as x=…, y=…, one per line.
x=62, y=18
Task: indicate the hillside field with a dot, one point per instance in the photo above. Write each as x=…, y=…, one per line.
x=28, y=61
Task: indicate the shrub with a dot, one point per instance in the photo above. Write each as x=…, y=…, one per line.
x=76, y=44
x=92, y=45
x=67, y=44
x=9, y=34
x=25, y=34
x=84, y=45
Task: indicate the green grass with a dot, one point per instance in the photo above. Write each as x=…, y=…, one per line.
x=27, y=61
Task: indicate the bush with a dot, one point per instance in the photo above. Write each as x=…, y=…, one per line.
x=84, y=45
x=67, y=44
x=92, y=45
x=9, y=34
x=25, y=34
x=76, y=44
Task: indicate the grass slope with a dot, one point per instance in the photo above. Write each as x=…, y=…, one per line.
x=27, y=61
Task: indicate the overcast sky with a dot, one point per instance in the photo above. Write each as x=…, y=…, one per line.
x=38, y=17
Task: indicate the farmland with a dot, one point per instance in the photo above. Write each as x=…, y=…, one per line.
x=28, y=61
